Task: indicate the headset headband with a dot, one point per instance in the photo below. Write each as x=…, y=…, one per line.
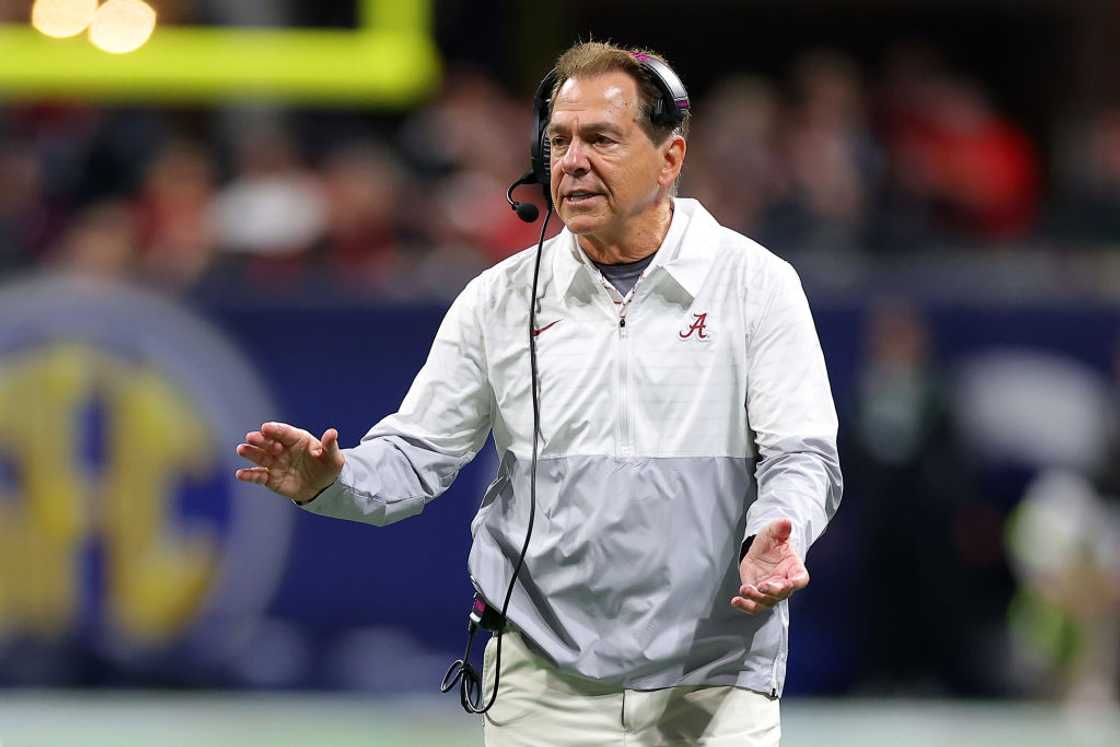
x=673, y=92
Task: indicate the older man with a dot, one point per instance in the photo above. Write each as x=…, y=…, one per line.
x=687, y=434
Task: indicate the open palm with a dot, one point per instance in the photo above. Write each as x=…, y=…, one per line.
x=290, y=461
x=771, y=570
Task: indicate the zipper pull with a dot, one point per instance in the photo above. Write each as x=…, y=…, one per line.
x=622, y=326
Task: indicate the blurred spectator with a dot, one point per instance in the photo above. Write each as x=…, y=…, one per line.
x=796, y=177
x=914, y=482
x=27, y=220
x=175, y=237
x=972, y=171
x=734, y=165
x=833, y=160
x=474, y=213
x=100, y=245
x=74, y=143
x=1088, y=206
x=1046, y=415
x=472, y=125
x=1065, y=544
x=272, y=212
x=362, y=186
x=475, y=137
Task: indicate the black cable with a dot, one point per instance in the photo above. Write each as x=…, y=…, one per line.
x=461, y=671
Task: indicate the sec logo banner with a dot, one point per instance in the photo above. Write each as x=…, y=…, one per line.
x=119, y=526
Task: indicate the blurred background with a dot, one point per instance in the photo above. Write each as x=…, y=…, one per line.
x=260, y=210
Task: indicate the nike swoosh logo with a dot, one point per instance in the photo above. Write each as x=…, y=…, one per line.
x=542, y=329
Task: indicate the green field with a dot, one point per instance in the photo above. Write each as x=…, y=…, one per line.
x=100, y=719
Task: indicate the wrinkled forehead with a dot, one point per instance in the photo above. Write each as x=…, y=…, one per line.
x=610, y=96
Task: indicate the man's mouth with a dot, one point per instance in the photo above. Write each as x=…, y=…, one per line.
x=580, y=196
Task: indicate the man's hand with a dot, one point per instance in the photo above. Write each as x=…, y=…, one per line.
x=771, y=570
x=290, y=461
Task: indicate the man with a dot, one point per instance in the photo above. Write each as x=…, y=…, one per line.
x=674, y=355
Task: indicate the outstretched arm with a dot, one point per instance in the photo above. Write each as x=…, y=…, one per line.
x=793, y=420
x=407, y=459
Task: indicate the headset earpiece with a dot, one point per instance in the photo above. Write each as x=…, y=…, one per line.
x=541, y=151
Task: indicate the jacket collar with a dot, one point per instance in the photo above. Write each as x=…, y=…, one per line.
x=686, y=254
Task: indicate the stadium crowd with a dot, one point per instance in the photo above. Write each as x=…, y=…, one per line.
x=825, y=162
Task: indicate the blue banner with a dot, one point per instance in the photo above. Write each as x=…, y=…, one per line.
x=130, y=555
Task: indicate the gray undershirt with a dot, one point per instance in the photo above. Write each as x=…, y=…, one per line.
x=624, y=275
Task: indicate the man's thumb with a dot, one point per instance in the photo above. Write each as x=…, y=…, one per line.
x=780, y=530
x=328, y=445
x=330, y=442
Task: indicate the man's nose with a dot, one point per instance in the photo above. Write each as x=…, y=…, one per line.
x=574, y=161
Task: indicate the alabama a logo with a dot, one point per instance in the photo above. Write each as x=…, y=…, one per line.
x=698, y=329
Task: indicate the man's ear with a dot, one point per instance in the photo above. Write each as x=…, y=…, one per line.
x=672, y=153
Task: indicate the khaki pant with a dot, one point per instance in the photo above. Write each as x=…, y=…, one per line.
x=541, y=707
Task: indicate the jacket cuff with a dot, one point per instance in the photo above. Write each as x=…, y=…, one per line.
x=747, y=541
x=317, y=502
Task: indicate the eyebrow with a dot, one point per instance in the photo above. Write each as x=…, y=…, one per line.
x=606, y=127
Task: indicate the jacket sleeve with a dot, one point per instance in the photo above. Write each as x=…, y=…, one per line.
x=791, y=415
x=413, y=455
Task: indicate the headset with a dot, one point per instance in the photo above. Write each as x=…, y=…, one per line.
x=669, y=110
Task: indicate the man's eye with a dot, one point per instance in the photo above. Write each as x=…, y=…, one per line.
x=557, y=142
x=603, y=140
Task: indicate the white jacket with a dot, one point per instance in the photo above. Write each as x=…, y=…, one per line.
x=676, y=422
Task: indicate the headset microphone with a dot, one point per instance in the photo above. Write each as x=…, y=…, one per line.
x=526, y=211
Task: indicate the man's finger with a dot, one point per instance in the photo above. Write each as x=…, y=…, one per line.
x=254, y=455
x=779, y=589
x=282, y=432
x=776, y=587
x=258, y=475
x=756, y=594
x=258, y=439
x=746, y=605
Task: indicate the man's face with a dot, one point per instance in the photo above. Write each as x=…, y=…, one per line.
x=605, y=169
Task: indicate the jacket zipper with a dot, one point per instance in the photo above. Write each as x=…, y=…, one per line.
x=625, y=447
x=624, y=438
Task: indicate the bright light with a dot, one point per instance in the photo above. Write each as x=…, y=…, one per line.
x=121, y=26
x=62, y=18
